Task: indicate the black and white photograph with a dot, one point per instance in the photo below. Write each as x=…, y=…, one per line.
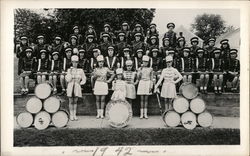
x=127, y=77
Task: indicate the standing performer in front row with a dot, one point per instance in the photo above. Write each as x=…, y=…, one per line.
x=100, y=75
x=145, y=85
x=75, y=78
x=119, y=86
x=171, y=76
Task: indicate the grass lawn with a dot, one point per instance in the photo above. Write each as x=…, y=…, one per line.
x=90, y=137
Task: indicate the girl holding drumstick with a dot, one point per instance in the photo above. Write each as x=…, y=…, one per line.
x=171, y=76
x=100, y=75
x=75, y=78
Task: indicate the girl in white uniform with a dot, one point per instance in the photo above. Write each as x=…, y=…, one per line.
x=75, y=78
x=145, y=85
x=171, y=76
x=100, y=75
x=119, y=86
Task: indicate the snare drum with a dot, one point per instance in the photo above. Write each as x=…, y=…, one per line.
x=180, y=104
x=60, y=119
x=205, y=119
x=171, y=118
x=34, y=105
x=51, y=104
x=24, y=119
x=188, y=90
x=188, y=120
x=197, y=105
x=42, y=120
x=119, y=113
x=43, y=90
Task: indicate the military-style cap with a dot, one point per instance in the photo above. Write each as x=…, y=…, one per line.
x=126, y=49
x=74, y=58
x=145, y=58
x=155, y=50
x=68, y=49
x=75, y=27
x=95, y=50
x=105, y=35
x=106, y=25
x=29, y=49
x=58, y=38
x=171, y=51
x=138, y=34
x=100, y=58
x=111, y=47
x=212, y=39
x=165, y=38
x=24, y=38
x=81, y=50
x=119, y=71
x=43, y=51
x=40, y=36
x=152, y=25
x=139, y=50
x=90, y=36
x=138, y=25
x=124, y=23
x=153, y=37
x=194, y=39
x=170, y=25
x=90, y=26
x=180, y=39
x=121, y=34
x=225, y=41
x=200, y=50
x=73, y=36
x=169, y=58
x=217, y=50
x=186, y=49
x=55, y=52
x=233, y=51
x=129, y=62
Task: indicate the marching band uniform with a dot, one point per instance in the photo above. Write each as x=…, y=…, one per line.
x=138, y=44
x=139, y=60
x=120, y=45
x=112, y=62
x=128, y=33
x=171, y=35
x=125, y=56
x=129, y=77
x=105, y=44
x=43, y=67
x=56, y=68
x=119, y=87
x=58, y=47
x=225, y=52
x=20, y=51
x=165, y=47
x=91, y=31
x=89, y=46
x=39, y=47
x=78, y=35
x=111, y=34
x=135, y=31
x=150, y=33
x=152, y=45
x=74, y=45
x=83, y=61
x=188, y=66
x=210, y=48
x=194, y=47
x=179, y=48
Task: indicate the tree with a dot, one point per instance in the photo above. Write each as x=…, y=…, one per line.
x=208, y=25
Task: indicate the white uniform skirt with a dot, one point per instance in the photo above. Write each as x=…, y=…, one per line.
x=168, y=90
x=144, y=87
x=130, y=91
x=100, y=88
x=77, y=90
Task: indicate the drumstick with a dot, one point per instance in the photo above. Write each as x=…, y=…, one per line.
x=159, y=102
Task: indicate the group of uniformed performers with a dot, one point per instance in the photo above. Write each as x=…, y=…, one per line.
x=126, y=57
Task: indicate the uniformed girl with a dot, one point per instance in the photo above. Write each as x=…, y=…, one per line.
x=202, y=65
x=74, y=45
x=76, y=32
x=217, y=67
x=145, y=86
x=100, y=75
x=152, y=31
x=89, y=45
x=225, y=49
x=27, y=65
x=131, y=80
x=91, y=31
x=128, y=34
x=187, y=64
x=210, y=48
x=138, y=29
x=139, y=59
x=121, y=43
x=56, y=70
x=43, y=66
x=58, y=46
x=40, y=46
x=181, y=43
x=165, y=47
x=193, y=49
x=126, y=56
x=119, y=86
x=138, y=43
x=171, y=34
x=83, y=61
x=107, y=30
x=105, y=43
x=20, y=50
x=153, y=44
x=93, y=60
x=156, y=63
x=171, y=76
x=66, y=65
x=233, y=70
x=112, y=61
x=75, y=78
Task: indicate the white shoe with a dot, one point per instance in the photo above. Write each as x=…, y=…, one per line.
x=71, y=117
x=141, y=113
x=75, y=118
x=101, y=113
x=98, y=114
x=146, y=113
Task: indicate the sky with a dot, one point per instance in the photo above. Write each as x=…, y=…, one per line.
x=186, y=16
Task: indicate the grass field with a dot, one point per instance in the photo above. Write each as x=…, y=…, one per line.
x=90, y=137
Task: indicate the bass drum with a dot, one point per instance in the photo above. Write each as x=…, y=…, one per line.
x=60, y=119
x=197, y=105
x=43, y=90
x=180, y=104
x=119, y=113
x=205, y=119
x=171, y=118
x=34, y=105
x=188, y=120
x=188, y=90
x=52, y=104
x=24, y=119
x=42, y=120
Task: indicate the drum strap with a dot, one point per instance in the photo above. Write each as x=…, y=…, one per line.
x=212, y=63
x=136, y=64
x=64, y=64
x=52, y=65
x=182, y=64
x=197, y=63
x=39, y=65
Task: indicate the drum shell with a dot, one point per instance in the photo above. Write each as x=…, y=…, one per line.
x=39, y=105
x=189, y=124
x=43, y=90
x=53, y=116
x=198, y=108
x=28, y=124
x=178, y=119
x=188, y=90
x=204, y=124
x=176, y=104
x=50, y=102
x=109, y=115
x=42, y=120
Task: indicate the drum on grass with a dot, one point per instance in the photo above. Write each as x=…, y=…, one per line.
x=34, y=105
x=180, y=104
x=205, y=119
x=43, y=90
x=51, y=104
x=188, y=90
x=171, y=118
x=42, y=120
x=60, y=118
x=197, y=105
x=188, y=120
x=119, y=113
x=24, y=119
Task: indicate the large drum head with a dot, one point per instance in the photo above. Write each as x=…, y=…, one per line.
x=42, y=120
x=60, y=119
x=197, y=105
x=205, y=119
x=118, y=113
x=34, y=105
x=189, y=90
x=51, y=104
x=24, y=119
x=43, y=90
x=171, y=118
x=188, y=120
x=180, y=104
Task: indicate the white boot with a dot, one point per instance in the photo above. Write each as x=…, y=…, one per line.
x=141, y=113
x=98, y=114
x=146, y=113
x=74, y=115
x=71, y=115
x=101, y=113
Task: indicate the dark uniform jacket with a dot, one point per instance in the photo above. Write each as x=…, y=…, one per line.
x=112, y=62
x=37, y=49
x=209, y=52
x=172, y=38
x=57, y=66
x=88, y=47
x=104, y=48
x=202, y=64
x=233, y=65
x=157, y=63
x=66, y=64
x=187, y=64
x=119, y=47
x=193, y=53
x=27, y=64
x=216, y=65
x=138, y=45
x=84, y=64
x=44, y=65
x=225, y=54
